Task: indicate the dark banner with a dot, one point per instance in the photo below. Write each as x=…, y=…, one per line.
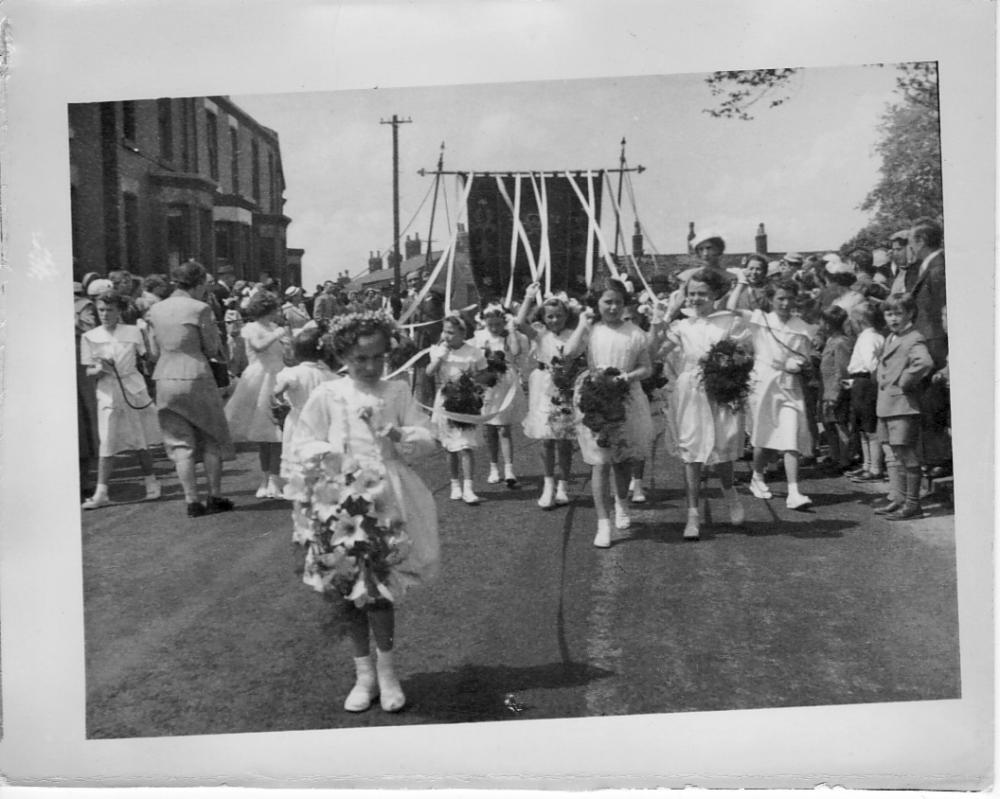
x=491, y=227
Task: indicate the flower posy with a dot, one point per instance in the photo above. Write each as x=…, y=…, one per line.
x=602, y=398
x=725, y=373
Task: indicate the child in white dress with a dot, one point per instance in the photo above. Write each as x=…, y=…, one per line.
x=708, y=434
x=615, y=343
x=550, y=415
x=449, y=360
x=364, y=418
x=497, y=336
x=126, y=417
x=294, y=385
x=782, y=345
x=248, y=410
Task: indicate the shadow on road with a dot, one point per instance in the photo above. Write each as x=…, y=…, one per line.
x=489, y=693
x=672, y=532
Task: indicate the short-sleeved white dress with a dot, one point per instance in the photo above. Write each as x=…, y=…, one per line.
x=623, y=347
x=543, y=420
x=495, y=395
x=705, y=431
x=248, y=410
x=298, y=383
x=464, y=359
x=121, y=428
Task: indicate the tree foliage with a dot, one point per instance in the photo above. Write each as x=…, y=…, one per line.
x=909, y=184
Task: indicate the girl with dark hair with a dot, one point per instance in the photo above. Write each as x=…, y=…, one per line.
x=619, y=348
x=383, y=539
x=452, y=358
x=836, y=400
x=249, y=409
x=126, y=419
x=777, y=410
x=708, y=433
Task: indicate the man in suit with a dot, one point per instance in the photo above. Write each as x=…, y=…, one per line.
x=925, y=280
x=900, y=255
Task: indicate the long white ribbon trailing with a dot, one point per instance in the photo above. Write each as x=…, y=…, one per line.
x=544, y=251
x=621, y=233
x=589, y=208
x=589, y=264
x=447, y=258
x=472, y=418
x=519, y=233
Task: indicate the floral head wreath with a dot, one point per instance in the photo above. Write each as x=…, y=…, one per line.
x=380, y=319
x=492, y=309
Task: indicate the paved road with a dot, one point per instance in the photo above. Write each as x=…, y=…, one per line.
x=202, y=626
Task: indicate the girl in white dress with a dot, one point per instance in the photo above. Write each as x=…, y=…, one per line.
x=449, y=360
x=294, y=385
x=248, y=411
x=498, y=336
x=126, y=419
x=708, y=434
x=550, y=417
x=369, y=418
x=782, y=346
x=613, y=342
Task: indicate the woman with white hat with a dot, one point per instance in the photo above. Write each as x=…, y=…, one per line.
x=294, y=311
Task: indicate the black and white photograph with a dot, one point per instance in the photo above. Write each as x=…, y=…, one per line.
x=437, y=408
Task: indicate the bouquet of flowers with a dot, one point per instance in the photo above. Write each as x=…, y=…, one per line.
x=355, y=538
x=279, y=409
x=655, y=381
x=565, y=372
x=462, y=395
x=602, y=398
x=496, y=361
x=725, y=374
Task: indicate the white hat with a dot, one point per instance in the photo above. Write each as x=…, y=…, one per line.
x=704, y=236
x=880, y=257
x=835, y=266
x=291, y=291
x=773, y=268
x=99, y=286
x=793, y=258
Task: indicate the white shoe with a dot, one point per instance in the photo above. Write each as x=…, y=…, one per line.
x=469, y=496
x=95, y=502
x=153, y=490
x=274, y=489
x=797, y=501
x=389, y=687
x=562, y=498
x=759, y=489
x=546, y=500
x=456, y=489
x=737, y=515
x=622, y=520
x=691, y=529
x=638, y=495
x=262, y=491
x=494, y=477
x=603, y=537
x=365, y=687
x=509, y=477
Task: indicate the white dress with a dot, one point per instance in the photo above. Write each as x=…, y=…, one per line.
x=705, y=431
x=248, y=411
x=298, y=382
x=335, y=412
x=777, y=408
x=624, y=347
x=495, y=395
x=545, y=419
x=465, y=359
x=121, y=428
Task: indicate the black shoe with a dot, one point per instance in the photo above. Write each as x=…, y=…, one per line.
x=888, y=508
x=907, y=511
x=219, y=505
x=196, y=509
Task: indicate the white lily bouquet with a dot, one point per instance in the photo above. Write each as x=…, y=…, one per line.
x=355, y=537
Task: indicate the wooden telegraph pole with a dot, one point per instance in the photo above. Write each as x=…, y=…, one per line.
x=396, y=258
x=618, y=221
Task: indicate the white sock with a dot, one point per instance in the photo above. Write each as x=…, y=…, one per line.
x=101, y=492
x=758, y=476
x=793, y=489
x=150, y=480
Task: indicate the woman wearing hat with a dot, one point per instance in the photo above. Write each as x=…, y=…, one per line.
x=294, y=311
x=184, y=338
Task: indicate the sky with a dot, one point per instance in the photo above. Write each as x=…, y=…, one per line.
x=802, y=168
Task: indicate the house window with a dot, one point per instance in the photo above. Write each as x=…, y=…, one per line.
x=165, y=118
x=131, y=207
x=194, y=135
x=234, y=148
x=212, y=141
x=223, y=242
x=207, y=236
x=178, y=235
x=271, y=185
x=255, y=168
x=128, y=120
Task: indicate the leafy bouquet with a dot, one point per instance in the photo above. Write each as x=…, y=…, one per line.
x=565, y=372
x=496, y=361
x=602, y=398
x=462, y=395
x=725, y=374
x=655, y=381
x=355, y=539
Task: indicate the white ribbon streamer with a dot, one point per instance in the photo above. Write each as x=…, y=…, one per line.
x=605, y=253
x=621, y=233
